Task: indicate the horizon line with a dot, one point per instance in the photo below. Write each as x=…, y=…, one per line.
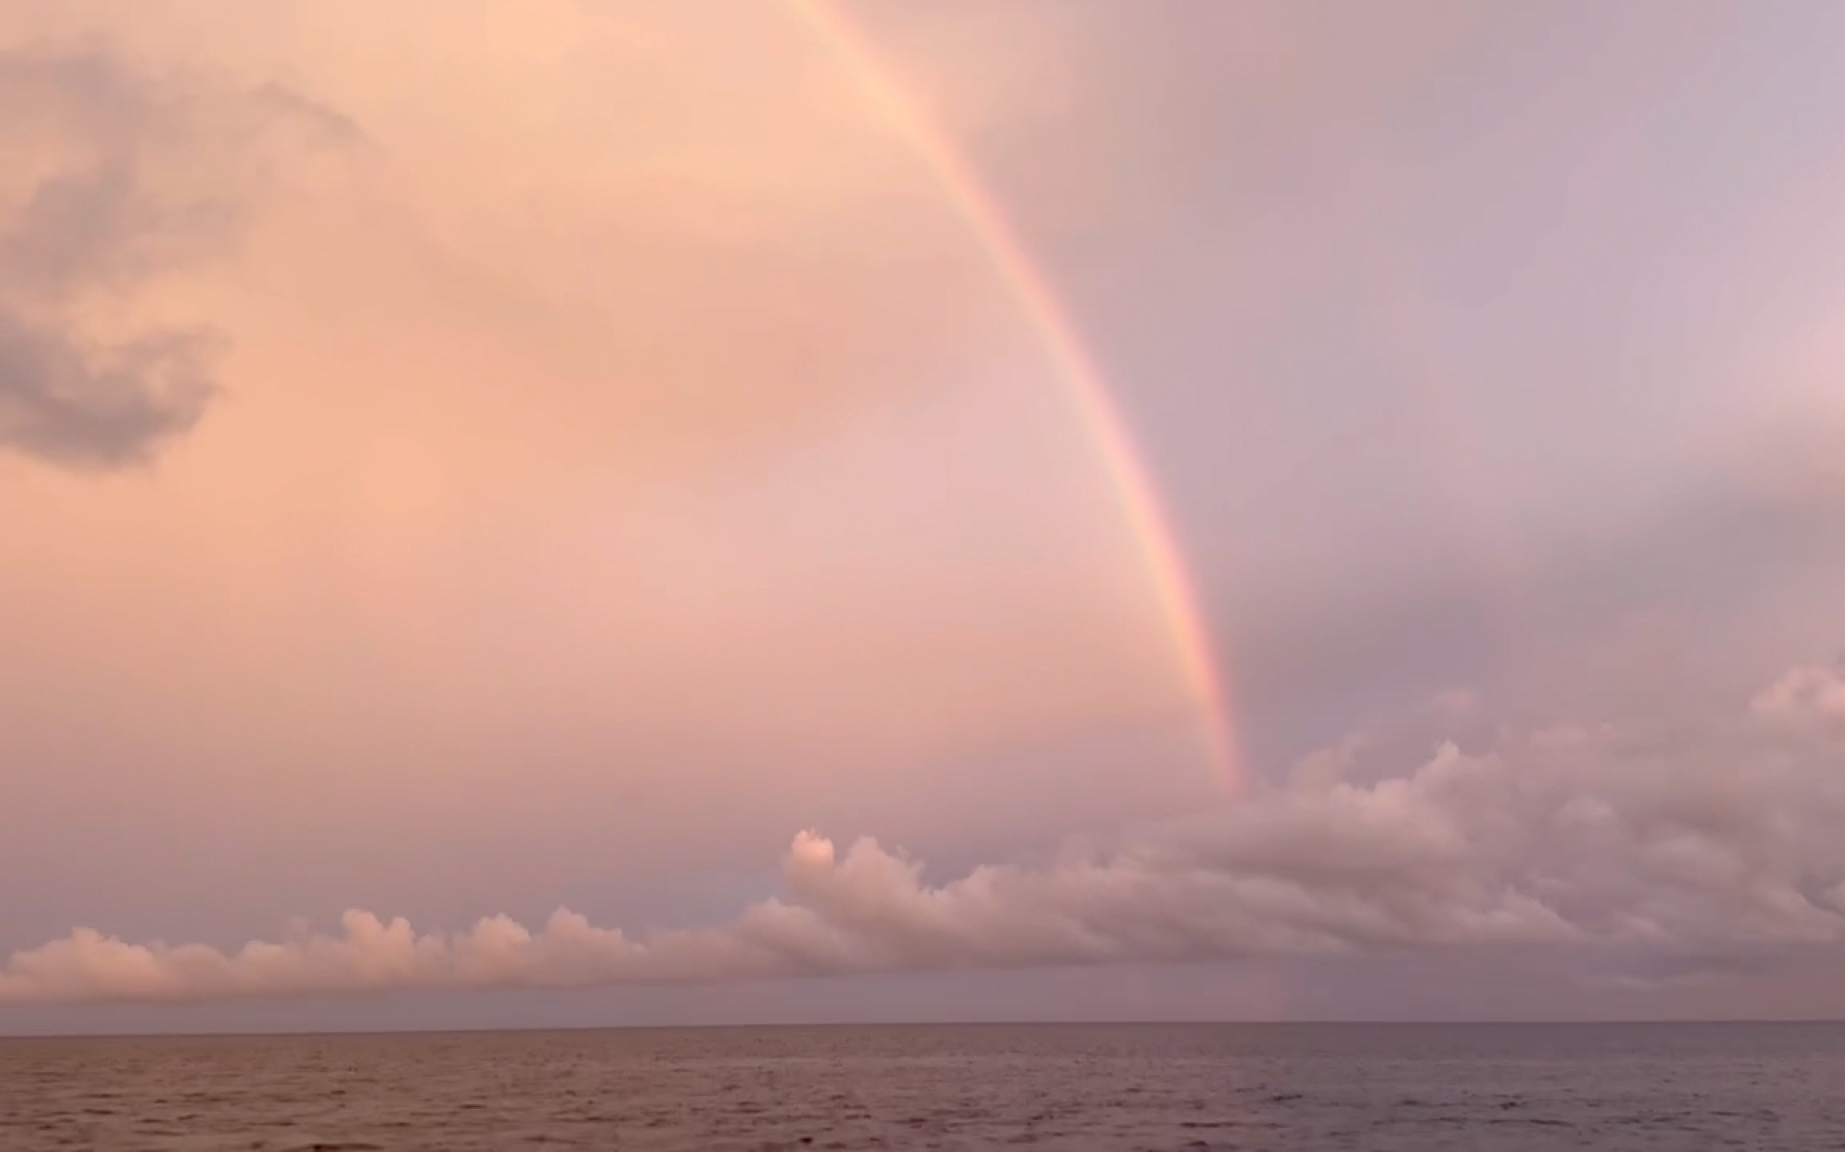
x=1121, y=1022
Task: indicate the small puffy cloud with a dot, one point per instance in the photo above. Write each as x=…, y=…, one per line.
x=1808, y=694
x=1687, y=850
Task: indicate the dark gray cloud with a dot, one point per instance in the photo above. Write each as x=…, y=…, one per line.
x=111, y=177
x=99, y=407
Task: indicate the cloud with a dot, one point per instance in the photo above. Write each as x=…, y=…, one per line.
x=112, y=178
x=1811, y=694
x=99, y=407
x=1690, y=850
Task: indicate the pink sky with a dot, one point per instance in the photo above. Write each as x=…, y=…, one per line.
x=622, y=455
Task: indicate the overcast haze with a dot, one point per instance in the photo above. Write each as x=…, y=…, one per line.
x=461, y=459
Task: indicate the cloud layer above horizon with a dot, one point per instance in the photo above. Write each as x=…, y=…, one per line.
x=1703, y=847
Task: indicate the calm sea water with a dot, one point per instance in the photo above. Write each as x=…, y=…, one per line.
x=1757, y=1087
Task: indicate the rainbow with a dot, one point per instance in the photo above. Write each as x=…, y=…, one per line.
x=1037, y=299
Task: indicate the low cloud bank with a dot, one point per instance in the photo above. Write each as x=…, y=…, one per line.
x=1724, y=839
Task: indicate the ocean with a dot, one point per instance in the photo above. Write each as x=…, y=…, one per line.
x=1248, y=1087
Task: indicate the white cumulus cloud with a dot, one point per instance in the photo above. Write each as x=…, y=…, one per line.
x=1717, y=839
